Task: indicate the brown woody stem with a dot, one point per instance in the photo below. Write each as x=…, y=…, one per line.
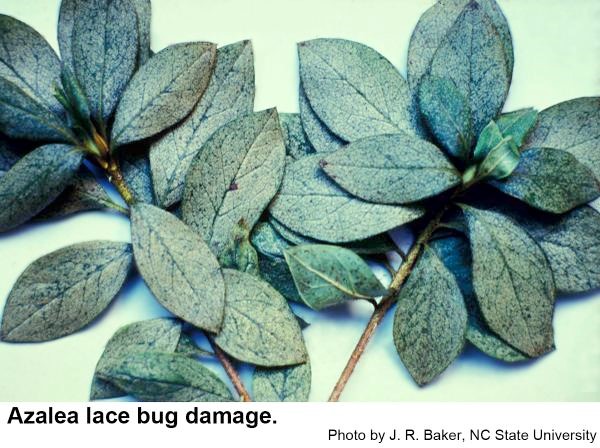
x=386, y=303
x=230, y=370
x=116, y=178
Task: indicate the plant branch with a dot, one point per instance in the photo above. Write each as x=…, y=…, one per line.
x=115, y=176
x=386, y=303
x=230, y=370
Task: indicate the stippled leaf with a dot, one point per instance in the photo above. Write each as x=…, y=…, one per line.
x=328, y=275
x=238, y=253
x=84, y=194
x=391, y=169
x=572, y=245
x=434, y=25
x=378, y=244
x=104, y=49
x=35, y=181
x=573, y=126
x=22, y=116
x=472, y=55
x=229, y=94
x=512, y=281
x=66, y=19
x=178, y=267
x=430, y=321
x=143, y=10
x=311, y=204
x=64, y=291
x=447, y=114
x=154, y=376
x=455, y=253
x=290, y=384
x=136, y=171
x=517, y=124
x=28, y=61
x=318, y=134
x=268, y=241
x=353, y=89
x=188, y=347
x=294, y=137
x=234, y=177
x=161, y=335
x=551, y=180
x=259, y=327
x=163, y=91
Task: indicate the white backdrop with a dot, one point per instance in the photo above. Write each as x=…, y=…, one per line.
x=556, y=51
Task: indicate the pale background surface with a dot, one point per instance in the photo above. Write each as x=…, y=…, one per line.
x=556, y=58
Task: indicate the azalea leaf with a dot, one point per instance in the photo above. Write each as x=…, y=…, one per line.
x=135, y=166
x=259, y=327
x=229, y=94
x=430, y=321
x=353, y=89
x=294, y=137
x=104, y=49
x=178, y=267
x=64, y=291
x=234, y=177
x=161, y=335
x=35, y=181
x=311, y=204
x=154, y=376
x=517, y=124
x=163, y=91
x=551, y=180
x=328, y=275
x=391, y=169
x=573, y=126
x=283, y=384
x=512, y=280
x=29, y=62
x=472, y=55
x=143, y=10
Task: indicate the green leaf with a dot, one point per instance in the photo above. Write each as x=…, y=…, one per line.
x=512, y=281
x=135, y=166
x=391, y=169
x=234, y=177
x=455, y=253
x=551, y=180
x=573, y=126
x=161, y=335
x=311, y=204
x=35, y=181
x=163, y=91
x=29, y=62
x=472, y=55
x=259, y=327
x=447, y=114
x=436, y=23
x=329, y=275
x=500, y=162
x=22, y=116
x=229, y=94
x=285, y=384
x=430, y=321
x=238, y=253
x=490, y=137
x=353, y=89
x=517, y=124
x=104, y=48
x=318, y=134
x=64, y=291
x=294, y=138
x=572, y=245
x=84, y=194
x=154, y=376
x=143, y=10
x=178, y=267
